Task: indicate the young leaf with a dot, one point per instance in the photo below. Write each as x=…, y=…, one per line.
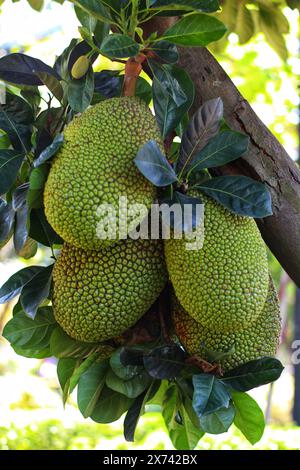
x=254, y=374
x=22, y=69
x=219, y=421
x=10, y=162
x=165, y=362
x=166, y=51
x=90, y=386
x=224, y=148
x=249, y=418
x=195, y=30
x=210, y=394
x=119, y=46
x=154, y=165
x=239, y=194
x=80, y=92
x=22, y=331
x=18, y=281
x=110, y=406
x=203, y=126
x=36, y=291
x=49, y=151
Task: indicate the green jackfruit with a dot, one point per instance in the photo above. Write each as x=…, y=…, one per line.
x=224, y=284
x=256, y=340
x=99, y=294
x=95, y=167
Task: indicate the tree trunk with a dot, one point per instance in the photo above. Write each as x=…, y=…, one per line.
x=266, y=161
x=296, y=407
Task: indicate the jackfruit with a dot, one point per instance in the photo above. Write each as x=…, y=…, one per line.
x=255, y=340
x=95, y=167
x=99, y=294
x=224, y=284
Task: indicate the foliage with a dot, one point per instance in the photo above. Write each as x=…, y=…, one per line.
x=111, y=380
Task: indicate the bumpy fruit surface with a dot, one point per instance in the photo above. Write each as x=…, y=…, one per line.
x=256, y=340
x=95, y=166
x=224, y=284
x=99, y=294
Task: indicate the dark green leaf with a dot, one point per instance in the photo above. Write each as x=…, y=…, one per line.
x=203, y=126
x=86, y=19
x=224, y=148
x=254, y=374
x=65, y=370
x=83, y=367
x=130, y=357
x=210, y=394
x=22, y=331
x=165, y=362
x=36, y=291
x=125, y=372
x=49, y=151
x=132, y=388
x=80, y=92
x=195, y=30
x=37, y=180
x=17, y=281
x=35, y=353
x=21, y=228
x=10, y=162
x=16, y=118
x=219, y=421
x=107, y=83
x=7, y=216
x=90, y=386
x=239, y=194
x=20, y=195
x=208, y=6
x=62, y=345
x=154, y=165
x=52, y=83
x=41, y=230
x=189, y=217
x=110, y=406
x=22, y=69
x=118, y=46
x=166, y=51
x=94, y=8
x=249, y=418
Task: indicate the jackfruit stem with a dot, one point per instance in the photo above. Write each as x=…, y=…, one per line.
x=133, y=69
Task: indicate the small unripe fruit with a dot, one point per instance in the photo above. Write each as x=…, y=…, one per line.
x=80, y=67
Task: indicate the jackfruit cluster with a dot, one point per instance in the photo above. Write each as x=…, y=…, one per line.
x=95, y=167
x=98, y=294
x=257, y=339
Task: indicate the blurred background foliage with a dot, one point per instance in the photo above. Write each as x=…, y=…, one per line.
x=261, y=55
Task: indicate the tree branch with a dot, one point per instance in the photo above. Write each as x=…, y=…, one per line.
x=266, y=161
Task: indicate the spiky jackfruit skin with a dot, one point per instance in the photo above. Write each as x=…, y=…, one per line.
x=95, y=166
x=224, y=284
x=99, y=294
x=256, y=340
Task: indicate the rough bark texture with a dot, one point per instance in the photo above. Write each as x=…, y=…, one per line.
x=266, y=160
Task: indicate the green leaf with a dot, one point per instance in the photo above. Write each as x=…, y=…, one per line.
x=165, y=362
x=41, y=231
x=249, y=418
x=123, y=372
x=224, y=148
x=52, y=83
x=219, y=421
x=86, y=19
x=154, y=165
x=245, y=26
x=7, y=216
x=14, y=285
x=49, y=151
x=65, y=369
x=16, y=118
x=110, y=406
x=195, y=30
x=254, y=374
x=10, y=163
x=210, y=394
x=239, y=194
x=62, y=345
x=203, y=5
x=90, y=386
x=80, y=92
x=21, y=229
x=36, y=291
x=166, y=51
x=173, y=95
x=37, y=180
x=36, y=4
x=84, y=366
x=21, y=331
x=119, y=46
x=21, y=69
x=94, y=8
x=131, y=388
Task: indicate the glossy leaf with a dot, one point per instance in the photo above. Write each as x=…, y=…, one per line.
x=10, y=162
x=90, y=386
x=219, y=421
x=192, y=210
x=165, y=362
x=49, y=151
x=195, y=30
x=125, y=372
x=7, y=216
x=119, y=46
x=21, y=228
x=36, y=291
x=210, y=394
x=19, y=196
x=80, y=92
x=14, y=285
x=249, y=418
x=94, y=8
x=110, y=406
x=41, y=230
x=22, y=69
x=203, y=126
x=166, y=51
x=239, y=194
x=224, y=148
x=131, y=388
x=107, y=83
x=154, y=165
x=16, y=118
x=254, y=374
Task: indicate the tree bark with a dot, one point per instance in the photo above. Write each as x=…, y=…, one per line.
x=266, y=161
